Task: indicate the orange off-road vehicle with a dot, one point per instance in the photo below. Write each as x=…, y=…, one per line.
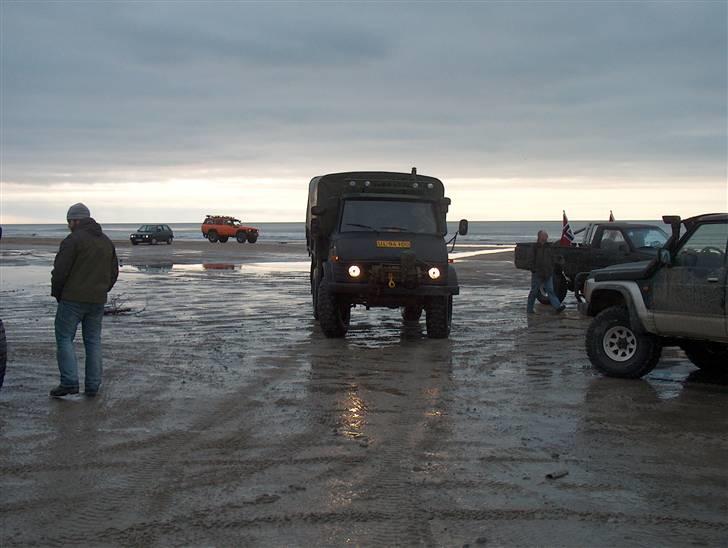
x=218, y=228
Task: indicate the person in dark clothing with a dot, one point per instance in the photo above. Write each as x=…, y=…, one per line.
x=542, y=273
x=84, y=271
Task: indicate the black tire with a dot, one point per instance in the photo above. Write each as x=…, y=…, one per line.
x=241, y=237
x=223, y=239
x=314, y=279
x=616, y=350
x=134, y=242
x=561, y=286
x=438, y=317
x=153, y=241
x=708, y=356
x=212, y=236
x=411, y=313
x=169, y=240
x=333, y=316
x=252, y=237
x=3, y=353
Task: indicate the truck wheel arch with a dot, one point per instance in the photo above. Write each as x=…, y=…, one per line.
x=619, y=295
x=604, y=298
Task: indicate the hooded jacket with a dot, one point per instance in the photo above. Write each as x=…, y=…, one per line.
x=86, y=267
x=543, y=260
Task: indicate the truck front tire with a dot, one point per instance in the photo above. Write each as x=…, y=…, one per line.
x=314, y=280
x=710, y=357
x=411, y=313
x=618, y=351
x=212, y=236
x=252, y=237
x=333, y=316
x=438, y=317
x=241, y=237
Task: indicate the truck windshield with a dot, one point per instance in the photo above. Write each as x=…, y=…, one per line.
x=646, y=237
x=388, y=216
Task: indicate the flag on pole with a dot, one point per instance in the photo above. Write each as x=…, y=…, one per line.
x=567, y=236
x=611, y=216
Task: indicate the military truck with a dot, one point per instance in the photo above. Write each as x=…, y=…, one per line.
x=602, y=244
x=676, y=299
x=377, y=239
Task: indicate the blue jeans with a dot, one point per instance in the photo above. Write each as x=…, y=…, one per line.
x=548, y=285
x=68, y=316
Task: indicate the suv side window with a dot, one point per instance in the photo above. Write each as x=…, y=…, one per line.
x=612, y=239
x=706, y=248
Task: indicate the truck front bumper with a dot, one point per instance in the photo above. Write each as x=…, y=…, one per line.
x=398, y=291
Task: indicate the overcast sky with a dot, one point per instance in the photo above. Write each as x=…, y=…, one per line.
x=168, y=111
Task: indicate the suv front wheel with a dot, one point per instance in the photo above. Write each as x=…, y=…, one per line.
x=618, y=351
x=707, y=356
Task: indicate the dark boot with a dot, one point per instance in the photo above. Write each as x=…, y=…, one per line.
x=61, y=390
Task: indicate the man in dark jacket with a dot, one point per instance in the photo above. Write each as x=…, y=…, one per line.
x=84, y=271
x=542, y=273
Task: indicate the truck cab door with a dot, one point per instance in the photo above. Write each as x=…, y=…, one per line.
x=689, y=297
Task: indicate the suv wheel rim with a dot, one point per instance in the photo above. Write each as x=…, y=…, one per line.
x=619, y=343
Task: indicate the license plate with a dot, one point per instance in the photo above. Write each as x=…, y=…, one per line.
x=401, y=244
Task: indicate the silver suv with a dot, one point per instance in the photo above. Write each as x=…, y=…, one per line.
x=677, y=299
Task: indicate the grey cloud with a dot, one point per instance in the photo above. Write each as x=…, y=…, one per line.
x=509, y=89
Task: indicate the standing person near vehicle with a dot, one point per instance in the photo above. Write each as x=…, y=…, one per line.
x=542, y=273
x=84, y=271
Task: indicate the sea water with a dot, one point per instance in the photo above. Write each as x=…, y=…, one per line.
x=480, y=232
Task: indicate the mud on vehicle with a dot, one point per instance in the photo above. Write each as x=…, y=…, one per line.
x=677, y=299
x=377, y=239
x=603, y=244
x=220, y=228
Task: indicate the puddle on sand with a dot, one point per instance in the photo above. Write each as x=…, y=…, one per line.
x=466, y=254
x=22, y=276
x=273, y=266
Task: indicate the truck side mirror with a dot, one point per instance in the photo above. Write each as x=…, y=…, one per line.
x=463, y=227
x=664, y=257
x=318, y=210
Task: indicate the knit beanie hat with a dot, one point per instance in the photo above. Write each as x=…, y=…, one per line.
x=77, y=211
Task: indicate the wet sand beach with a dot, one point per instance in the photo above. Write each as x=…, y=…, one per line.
x=227, y=418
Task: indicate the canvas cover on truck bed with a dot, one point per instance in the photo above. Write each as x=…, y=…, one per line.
x=326, y=190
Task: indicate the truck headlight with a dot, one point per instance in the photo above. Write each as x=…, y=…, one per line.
x=354, y=271
x=434, y=273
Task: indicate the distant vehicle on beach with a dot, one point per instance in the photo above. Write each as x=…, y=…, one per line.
x=378, y=239
x=603, y=244
x=676, y=299
x=152, y=234
x=219, y=228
